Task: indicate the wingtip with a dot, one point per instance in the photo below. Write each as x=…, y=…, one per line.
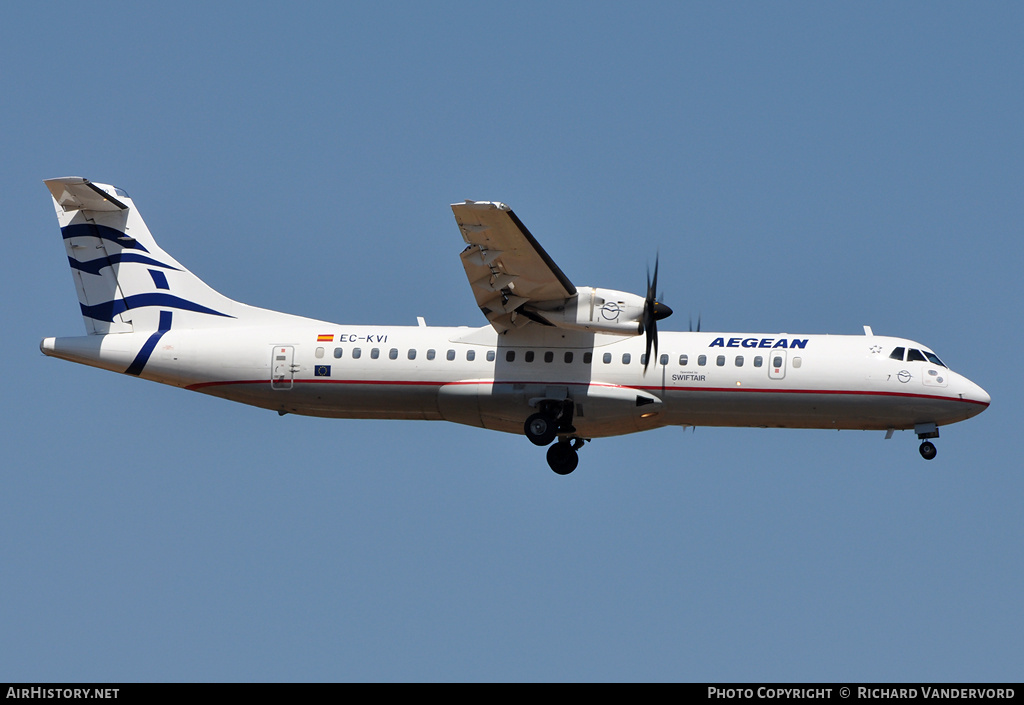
x=66, y=180
x=482, y=205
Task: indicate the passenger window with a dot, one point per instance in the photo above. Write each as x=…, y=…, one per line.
x=567, y=358
x=549, y=356
x=777, y=361
x=450, y=355
x=797, y=361
x=471, y=355
x=720, y=360
x=758, y=361
x=739, y=361
x=915, y=356
x=357, y=353
x=490, y=356
x=664, y=360
x=643, y=359
x=337, y=353
x=607, y=358
x=683, y=359
x=412, y=353
x=319, y=353
x=430, y=354
x=375, y=353
x=897, y=354
x=588, y=358
x=510, y=356
x=393, y=353
x=625, y=358
x=702, y=360
x=529, y=355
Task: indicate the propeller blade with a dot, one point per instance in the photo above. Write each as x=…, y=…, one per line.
x=652, y=332
x=653, y=312
x=653, y=286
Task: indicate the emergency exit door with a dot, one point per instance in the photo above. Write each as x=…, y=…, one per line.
x=777, y=363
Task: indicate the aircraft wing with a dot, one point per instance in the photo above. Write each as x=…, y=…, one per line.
x=505, y=265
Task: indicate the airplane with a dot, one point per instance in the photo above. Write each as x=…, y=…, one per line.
x=559, y=363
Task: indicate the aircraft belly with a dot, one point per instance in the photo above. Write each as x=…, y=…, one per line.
x=599, y=410
x=809, y=409
x=343, y=400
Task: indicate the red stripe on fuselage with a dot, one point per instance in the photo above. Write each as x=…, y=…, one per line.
x=734, y=390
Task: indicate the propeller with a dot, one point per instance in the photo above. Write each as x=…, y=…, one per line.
x=654, y=311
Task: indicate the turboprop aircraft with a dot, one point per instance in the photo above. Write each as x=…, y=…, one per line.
x=558, y=363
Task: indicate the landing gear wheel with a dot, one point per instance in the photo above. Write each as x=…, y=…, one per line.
x=541, y=429
x=928, y=450
x=563, y=458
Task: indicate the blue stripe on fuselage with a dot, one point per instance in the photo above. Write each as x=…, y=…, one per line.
x=139, y=363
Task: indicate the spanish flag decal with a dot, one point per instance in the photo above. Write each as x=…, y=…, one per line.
x=325, y=339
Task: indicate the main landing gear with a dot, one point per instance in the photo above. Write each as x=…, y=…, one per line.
x=562, y=456
x=554, y=420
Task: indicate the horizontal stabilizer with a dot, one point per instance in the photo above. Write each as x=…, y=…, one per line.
x=73, y=193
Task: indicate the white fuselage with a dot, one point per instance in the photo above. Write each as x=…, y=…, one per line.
x=470, y=376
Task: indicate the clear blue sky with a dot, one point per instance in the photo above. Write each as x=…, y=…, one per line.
x=800, y=167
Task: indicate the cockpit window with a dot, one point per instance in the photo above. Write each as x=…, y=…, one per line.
x=915, y=356
x=933, y=358
x=897, y=354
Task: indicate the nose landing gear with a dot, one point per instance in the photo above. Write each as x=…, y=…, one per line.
x=928, y=450
x=925, y=431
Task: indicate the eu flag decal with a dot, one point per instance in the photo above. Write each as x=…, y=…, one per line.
x=322, y=371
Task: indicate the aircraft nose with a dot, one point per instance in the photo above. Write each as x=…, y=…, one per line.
x=982, y=396
x=975, y=393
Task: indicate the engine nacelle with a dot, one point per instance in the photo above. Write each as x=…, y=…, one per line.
x=598, y=311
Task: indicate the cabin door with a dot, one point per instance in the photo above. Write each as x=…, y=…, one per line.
x=282, y=367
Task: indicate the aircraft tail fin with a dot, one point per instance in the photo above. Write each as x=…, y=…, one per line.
x=124, y=280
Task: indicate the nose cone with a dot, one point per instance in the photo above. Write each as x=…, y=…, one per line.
x=980, y=395
x=975, y=394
